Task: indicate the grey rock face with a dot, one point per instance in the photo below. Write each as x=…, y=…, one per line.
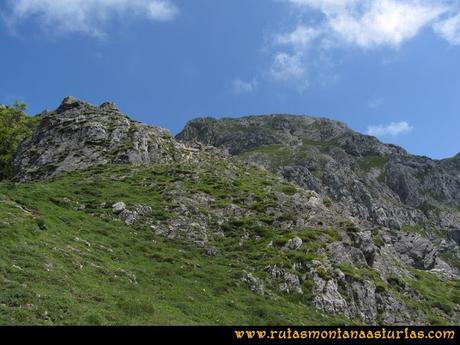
x=364, y=301
x=328, y=298
x=359, y=297
x=238, y=135
x=368, y=179
x=78, y=135
x=416, y=251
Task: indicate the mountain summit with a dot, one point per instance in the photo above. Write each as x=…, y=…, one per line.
x=368, y=179
x=78, y=135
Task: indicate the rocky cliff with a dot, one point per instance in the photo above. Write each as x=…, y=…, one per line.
x=368, y=179
x=78, y=135
x=347, y=241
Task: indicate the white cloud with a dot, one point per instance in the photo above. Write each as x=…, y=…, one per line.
x=241, y=86
x=161, y=10
x=385, y=22
x=301, y=37
x=449, y=29
x=325, y=5
x=85, y=16
x=326, y=26
x=287, y=67
x=393, y=129
x=372, y=23
x=289, y=63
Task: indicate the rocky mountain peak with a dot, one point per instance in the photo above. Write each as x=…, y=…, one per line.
x=369, y=179
x=78, y=135
x=456, y=158
x=240, y=134
x=109, y=106
x=70, y=102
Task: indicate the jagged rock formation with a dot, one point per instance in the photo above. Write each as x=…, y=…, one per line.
x=78, y=135
x=346, y=237
x=370, y=180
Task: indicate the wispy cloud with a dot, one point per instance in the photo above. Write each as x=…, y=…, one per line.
x=371, y=23
x=84, y=16
x=375, y=103
x=449, y=29
x=393, y=129
x=240, y=86
x=287, y=66
x=324, y=26
x=301, y=37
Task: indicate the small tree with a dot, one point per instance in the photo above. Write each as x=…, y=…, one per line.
x=15, y=125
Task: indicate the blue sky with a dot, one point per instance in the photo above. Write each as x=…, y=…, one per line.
x=389, y=68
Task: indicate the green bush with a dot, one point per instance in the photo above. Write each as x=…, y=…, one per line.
x=15, y=125
x=289, y=189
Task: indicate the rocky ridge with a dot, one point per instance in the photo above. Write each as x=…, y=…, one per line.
x=367, y=179
x=78, y=135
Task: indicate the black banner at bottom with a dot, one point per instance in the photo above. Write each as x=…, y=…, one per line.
x=238, y=335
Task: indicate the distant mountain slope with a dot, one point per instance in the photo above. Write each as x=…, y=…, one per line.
x=370, y=180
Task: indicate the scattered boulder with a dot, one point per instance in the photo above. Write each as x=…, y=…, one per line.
x=255, y=284
x=128, y=216
x=118, y=207
x=143, y=210
x=131, y=216
x=286, y=281
x=293, y=243
x=211, y=251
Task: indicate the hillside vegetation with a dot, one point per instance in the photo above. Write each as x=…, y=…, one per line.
x=109, y=221
x=67, y=259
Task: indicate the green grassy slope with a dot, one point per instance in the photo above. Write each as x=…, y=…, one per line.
x=65, y=263
x=65, y=258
